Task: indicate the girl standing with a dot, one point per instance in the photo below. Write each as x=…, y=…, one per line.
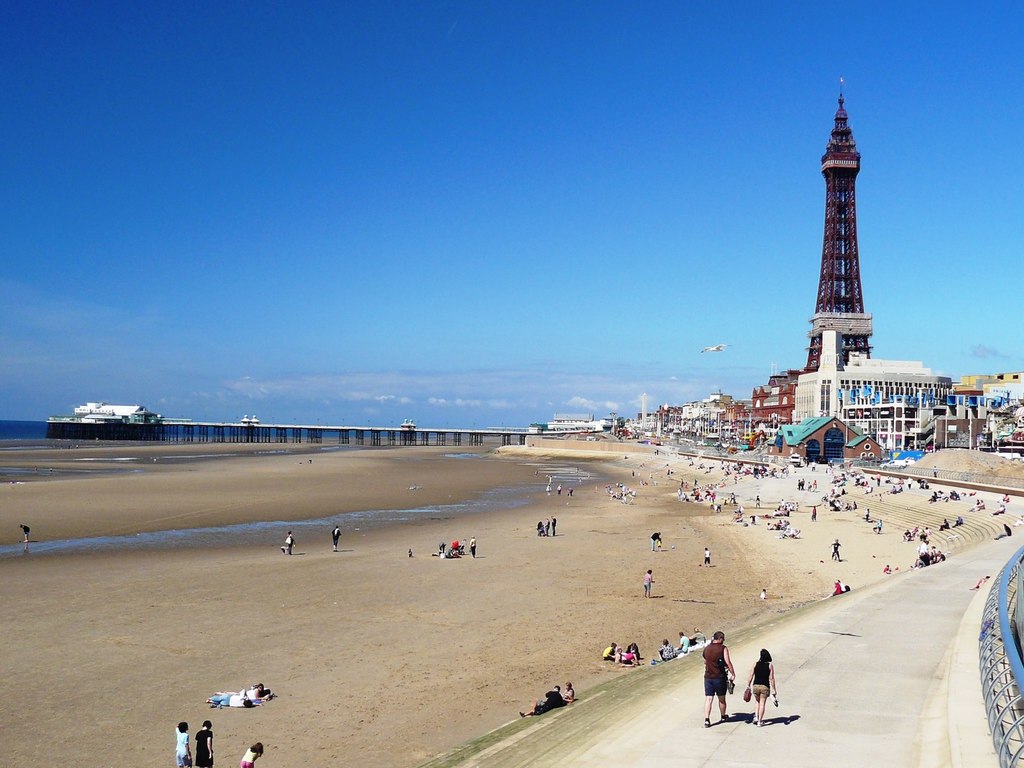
x=182, y=753
x=204, y=745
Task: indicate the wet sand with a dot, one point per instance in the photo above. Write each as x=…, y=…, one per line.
x=378, y=658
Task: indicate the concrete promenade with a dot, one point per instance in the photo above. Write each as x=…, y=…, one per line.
x=884, y=676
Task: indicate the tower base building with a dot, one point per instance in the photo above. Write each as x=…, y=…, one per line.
x=894, y=400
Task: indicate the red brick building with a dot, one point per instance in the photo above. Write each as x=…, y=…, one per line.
x=772, y=403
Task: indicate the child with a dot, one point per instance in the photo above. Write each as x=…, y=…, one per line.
x=252, y=755
x=183, y=754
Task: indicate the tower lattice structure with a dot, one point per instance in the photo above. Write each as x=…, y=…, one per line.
x=840, y=305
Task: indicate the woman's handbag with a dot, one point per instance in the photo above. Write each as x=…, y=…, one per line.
x=746, y=694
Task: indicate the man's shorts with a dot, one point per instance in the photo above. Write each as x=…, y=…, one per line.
x=715, y=686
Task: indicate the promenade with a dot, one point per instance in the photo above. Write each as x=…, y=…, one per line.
x=885, y=676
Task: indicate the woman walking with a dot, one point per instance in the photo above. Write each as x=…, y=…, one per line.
x=761, y=684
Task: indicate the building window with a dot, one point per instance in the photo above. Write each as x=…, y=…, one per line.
x=813, y=450
x=834, y=444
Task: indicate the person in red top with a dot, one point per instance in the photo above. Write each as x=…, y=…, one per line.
x=718, y=672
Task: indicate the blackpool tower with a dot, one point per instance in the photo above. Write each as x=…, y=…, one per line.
x=840, y=305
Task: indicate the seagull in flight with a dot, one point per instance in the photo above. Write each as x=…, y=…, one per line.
x=715, y=348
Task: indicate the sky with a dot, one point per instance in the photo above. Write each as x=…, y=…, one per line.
x=484, y=213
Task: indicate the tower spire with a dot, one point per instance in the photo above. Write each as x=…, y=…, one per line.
x=840, y=304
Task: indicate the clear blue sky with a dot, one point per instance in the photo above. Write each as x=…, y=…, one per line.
x=475, y=213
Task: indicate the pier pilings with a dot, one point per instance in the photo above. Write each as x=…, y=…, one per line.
x=215, y=432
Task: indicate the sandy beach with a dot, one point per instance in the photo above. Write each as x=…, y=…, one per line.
x=377, y=657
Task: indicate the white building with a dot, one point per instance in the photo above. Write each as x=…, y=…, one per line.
x=109, y=413
x=890, y=399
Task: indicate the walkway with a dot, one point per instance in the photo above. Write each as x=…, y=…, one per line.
x=886, y=675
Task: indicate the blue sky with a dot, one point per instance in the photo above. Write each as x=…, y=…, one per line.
x=475, y=213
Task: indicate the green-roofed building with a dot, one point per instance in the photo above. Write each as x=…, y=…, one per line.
x=824, y=438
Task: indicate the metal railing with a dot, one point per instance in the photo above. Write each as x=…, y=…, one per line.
x=1002, y=671
x=976, y=478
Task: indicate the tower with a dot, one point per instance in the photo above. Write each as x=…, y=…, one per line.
x=840, y=305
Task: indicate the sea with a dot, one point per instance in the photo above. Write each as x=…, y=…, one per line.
x=22, y=430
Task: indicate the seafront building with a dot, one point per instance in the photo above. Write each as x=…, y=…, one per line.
x=717, y=418
x=772, y=404
x=824, y=439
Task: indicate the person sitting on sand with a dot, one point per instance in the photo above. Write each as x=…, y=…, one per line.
x=569, y=694
x=684, y=644
x=610, y=653
x=630, y=657
x=667, y=651
x=552, y=700
x=698, y=638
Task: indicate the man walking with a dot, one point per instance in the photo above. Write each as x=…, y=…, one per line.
x=718, y=673
x=335, y=535
x=835, y=551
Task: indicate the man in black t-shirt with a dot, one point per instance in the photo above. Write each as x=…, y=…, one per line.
x=552, y=700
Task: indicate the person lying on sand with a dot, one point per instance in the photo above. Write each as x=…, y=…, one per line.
x=258, y=691
x=552, y=700
x=232, y=699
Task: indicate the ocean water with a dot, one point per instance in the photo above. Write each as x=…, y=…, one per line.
x=22, y=430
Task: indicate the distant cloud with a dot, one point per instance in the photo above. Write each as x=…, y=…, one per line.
x=390, y=399
x=593, y=406
x=983, y=352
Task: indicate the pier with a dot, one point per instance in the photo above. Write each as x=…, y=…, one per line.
x=227, y=432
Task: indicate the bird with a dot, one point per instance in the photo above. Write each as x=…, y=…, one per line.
x=715, y=348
